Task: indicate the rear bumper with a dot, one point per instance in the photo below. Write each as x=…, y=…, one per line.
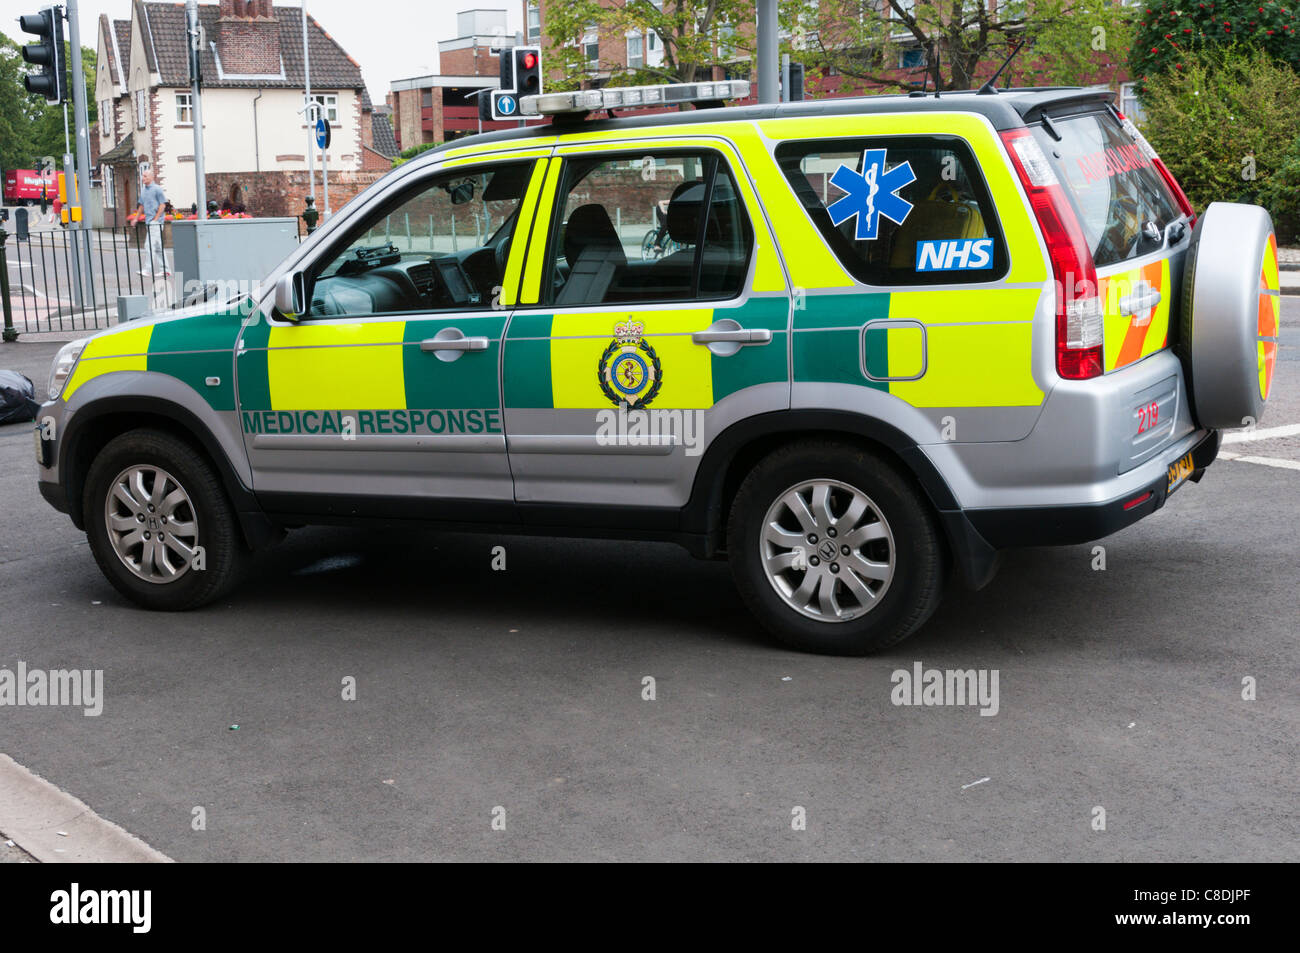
x=1066, y=525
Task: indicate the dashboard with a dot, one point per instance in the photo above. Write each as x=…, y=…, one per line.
x=382, y=280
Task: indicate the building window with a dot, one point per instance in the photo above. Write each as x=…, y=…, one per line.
x=534, y=24
x=141, y=109
x=426, y=99
x=327, y=105
x=911, y=59
x=591, y=46
x=1128, y=103
x=106, y=181
x=635, y=52
x=185, y=108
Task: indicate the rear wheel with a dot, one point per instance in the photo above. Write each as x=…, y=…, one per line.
x=834, y=550
x=159, y=523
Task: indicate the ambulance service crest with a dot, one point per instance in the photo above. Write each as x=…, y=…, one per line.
x=629, y=370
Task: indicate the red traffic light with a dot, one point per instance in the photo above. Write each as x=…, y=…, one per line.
x=530, y=60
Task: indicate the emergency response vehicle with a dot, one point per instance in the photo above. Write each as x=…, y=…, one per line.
x=891, y=337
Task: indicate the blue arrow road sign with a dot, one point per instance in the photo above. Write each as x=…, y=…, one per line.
x=322, y=133
x=506, y=105
x=870, y=194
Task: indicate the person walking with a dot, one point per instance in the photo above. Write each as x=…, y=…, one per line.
x=153, y=203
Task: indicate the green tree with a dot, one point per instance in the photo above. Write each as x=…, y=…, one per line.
x=1227, y=127
x=1168, y=34
x=958, y=42
x=30, y=128
x=697, y=35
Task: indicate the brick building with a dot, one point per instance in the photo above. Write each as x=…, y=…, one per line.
x=255, y=135
x=441, y=106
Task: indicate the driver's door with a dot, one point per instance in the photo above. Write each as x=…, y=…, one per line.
x=383, y=399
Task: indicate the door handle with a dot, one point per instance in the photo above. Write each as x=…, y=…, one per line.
x=450, y=343
x=742, y=336
x=726, y=337
x=1142, y=299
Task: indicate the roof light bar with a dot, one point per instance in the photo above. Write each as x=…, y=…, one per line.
x=668, y=94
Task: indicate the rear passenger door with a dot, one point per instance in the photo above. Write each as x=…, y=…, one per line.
x=654, y=314
x=924, y=277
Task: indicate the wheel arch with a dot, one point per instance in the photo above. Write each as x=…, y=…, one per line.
x=735, y=451
x=97, y=423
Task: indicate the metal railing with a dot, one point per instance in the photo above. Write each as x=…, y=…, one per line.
x=67, y=281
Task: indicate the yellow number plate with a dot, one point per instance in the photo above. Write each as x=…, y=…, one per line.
x=1179, y=471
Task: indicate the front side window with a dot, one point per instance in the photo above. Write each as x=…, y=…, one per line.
x=440, y=247
x=899, y=210
x=184, y=108
x=646, y=227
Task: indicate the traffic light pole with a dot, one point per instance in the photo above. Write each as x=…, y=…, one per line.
x=200, y=178
x=82, y=125
x=768, y=44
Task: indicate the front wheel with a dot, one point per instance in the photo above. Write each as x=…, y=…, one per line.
x=159, y=523
x=834, y=550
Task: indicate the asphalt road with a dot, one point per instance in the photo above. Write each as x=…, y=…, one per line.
x=522, y=690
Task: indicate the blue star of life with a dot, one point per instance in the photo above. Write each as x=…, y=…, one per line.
x=871, y=194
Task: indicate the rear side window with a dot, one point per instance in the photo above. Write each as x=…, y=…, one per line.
x=648, y=227
x=1110, y=181
x=899, y=210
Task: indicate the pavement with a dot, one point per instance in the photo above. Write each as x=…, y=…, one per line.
x=503, y=715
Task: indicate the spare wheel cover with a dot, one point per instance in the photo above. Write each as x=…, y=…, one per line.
x=1230, y=315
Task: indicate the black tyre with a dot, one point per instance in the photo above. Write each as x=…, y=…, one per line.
x=834, y=550
x=159, y=522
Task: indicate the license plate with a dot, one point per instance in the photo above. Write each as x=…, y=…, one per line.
x=1179, y=471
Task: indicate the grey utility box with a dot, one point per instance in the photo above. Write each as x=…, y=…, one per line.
x=230, y=249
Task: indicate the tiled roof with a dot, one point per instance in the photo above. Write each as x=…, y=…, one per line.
x=122, y=30
x=122, y=151
x=331, y=67
x=384, y=139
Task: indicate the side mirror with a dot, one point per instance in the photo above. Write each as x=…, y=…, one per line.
x=290, y=295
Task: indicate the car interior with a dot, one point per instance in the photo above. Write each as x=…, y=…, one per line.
x=592, y=265
x=383, y=269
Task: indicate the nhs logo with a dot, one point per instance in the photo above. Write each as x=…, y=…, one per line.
x=957, y=254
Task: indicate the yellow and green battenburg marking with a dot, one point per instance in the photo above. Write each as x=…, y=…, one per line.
x=192, y=350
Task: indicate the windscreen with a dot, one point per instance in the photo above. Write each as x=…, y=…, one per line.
x=1112, y=184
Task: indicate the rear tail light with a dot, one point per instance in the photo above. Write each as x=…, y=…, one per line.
x=1078, y=306
x=1184, y=203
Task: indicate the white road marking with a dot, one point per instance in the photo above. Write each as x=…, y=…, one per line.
x=1264, y=433
x=1270, y=462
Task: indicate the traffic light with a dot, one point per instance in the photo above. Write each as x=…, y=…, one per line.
x=528, y=70
x=48, y=54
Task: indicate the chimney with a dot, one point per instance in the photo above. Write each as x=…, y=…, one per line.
x=248, y=37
